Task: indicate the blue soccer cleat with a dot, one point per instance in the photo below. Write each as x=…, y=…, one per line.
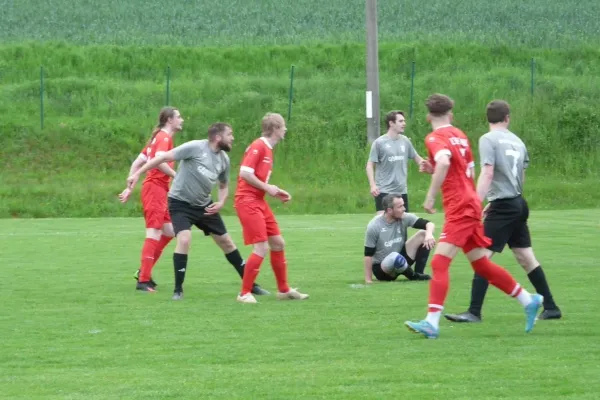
x=424, y=328
x=531, y=311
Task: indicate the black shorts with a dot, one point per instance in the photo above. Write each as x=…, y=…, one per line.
x=184, y=215
x=379, y=201
x=382, y=276
x=506, y=223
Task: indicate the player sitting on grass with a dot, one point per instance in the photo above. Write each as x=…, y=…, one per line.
x=388, y=253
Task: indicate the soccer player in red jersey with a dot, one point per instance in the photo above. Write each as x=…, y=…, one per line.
x=453, y=168
x=159, y=230
x=259, y=225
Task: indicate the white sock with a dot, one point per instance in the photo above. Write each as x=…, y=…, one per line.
x=434, y=319
x=524, y=297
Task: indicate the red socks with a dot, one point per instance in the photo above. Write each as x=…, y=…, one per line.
x=279, y=266
x=440, y=281
x=251, y=272
x=497, y=276
x=148, y=252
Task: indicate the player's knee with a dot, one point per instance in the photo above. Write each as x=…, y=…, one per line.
x=526, y=258
x=276, y=243
x=225, y=243
x=153, y=233
x=420, y=236
x=184, y=238
x=260, y=249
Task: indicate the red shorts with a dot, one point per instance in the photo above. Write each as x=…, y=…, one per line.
x=154, y=203
x=466, y=233
x=257, y=219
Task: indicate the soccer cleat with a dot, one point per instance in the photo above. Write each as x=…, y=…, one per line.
x=291, y=294
x=421, y=277
x=136, y=276
x=531, y=311
x=247, y=299
x=177, y=295
x=257, y=290
x=424, y=328
x=144, y=287
x=463, y=317
x=552, y=313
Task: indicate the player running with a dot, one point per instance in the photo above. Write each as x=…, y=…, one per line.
x=452, y=165
x=504, y=158
x=159, y=230
x=260, y=228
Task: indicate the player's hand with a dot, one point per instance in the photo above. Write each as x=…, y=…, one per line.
x=368, y=282
x=374, y=191
x=428, y=205
x=429, y=242
x=214, y=208
x=284, y=196
x=272, y=190
x=485, y=211
x=426, y=167
x=124, y=195
x=132, y=180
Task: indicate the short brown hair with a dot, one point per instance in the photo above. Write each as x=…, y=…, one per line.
x=217, y=129
x=391, y=117
x=439, y=104
x=497, y=111
x=388, y=201
x=270, y=122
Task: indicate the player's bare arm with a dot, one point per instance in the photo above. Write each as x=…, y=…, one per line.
x=485, y=180
x=249, y=177
x=439, y=174
x=169, y=156
x=371, y=177
x=368, y=269
x=223, y=193
x=135, y=165
x=165, y=169
x=429, y=241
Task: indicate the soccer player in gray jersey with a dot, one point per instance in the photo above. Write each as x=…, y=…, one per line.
x=389, y=252
x=389, y=158
x=203, y=163
x=504, y=159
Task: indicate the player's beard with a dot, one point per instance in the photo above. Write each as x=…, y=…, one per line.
x=225, y=147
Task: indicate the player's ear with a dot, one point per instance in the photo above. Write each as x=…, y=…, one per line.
x=428, y=118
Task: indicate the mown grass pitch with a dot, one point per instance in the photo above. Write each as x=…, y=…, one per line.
x=73, y=327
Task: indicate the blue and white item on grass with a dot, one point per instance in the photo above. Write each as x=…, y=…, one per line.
x=394, y=263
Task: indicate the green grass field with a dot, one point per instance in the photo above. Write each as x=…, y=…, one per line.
x=73, y=327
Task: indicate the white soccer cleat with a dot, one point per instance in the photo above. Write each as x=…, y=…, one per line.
x=247, y=299
x=292, y=294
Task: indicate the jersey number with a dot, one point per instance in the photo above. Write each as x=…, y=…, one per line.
x=515, y=155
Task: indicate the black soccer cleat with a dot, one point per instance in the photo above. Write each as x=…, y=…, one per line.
x=552, y=313
x=145, y=287
x=257, y=290
x=136, y=276
x=463, y=317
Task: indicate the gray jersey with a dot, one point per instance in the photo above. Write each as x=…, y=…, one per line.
x=391, y=159
x=385, y=237
x=198, y=172
x=508, y=154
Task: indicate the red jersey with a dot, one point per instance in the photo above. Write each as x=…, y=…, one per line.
x=258, y=159
x=459, y=194
x=161, y=143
